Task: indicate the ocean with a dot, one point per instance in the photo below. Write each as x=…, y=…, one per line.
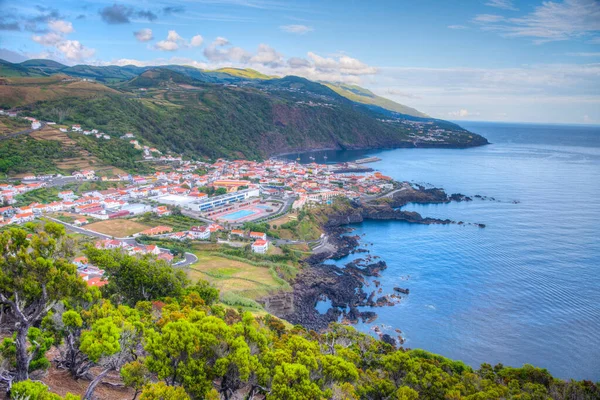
x=525, y=289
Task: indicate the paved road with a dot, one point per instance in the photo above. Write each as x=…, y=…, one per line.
x=189, y=257
x=24, y=132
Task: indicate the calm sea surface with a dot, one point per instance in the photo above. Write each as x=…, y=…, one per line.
x=526, y=289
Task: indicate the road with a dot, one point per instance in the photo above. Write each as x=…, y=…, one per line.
x=24, y=132
x=188, y=260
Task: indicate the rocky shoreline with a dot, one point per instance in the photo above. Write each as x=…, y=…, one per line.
x=348, y=288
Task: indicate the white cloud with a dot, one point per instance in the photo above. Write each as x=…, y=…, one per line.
x=171, y=43
x=551, y=21
x=174, y=42
x=487, y=18
x=343, y=64
x=462, y=113
x=64, y=27
x=196, y=41
x=504, y=4
x=49, y=39
x=296, y=62
x=297, y=29
x=220, y=41
x=173, y=36
x=64, y=49
x=144, y=35
x=266, y=55
x=458, y=27
x=217, y=52
x=73, y=50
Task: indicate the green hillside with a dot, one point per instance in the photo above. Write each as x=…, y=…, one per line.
x=290, y=114
x=113, y=74
x=365, y=96
x=9, y=70
x=186, y=115
x=247, y=73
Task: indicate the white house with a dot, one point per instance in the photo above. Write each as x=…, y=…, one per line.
x=260, y=246
x=200, y=232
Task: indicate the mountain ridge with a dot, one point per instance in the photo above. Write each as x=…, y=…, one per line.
x=223, y=116
x=112, y=74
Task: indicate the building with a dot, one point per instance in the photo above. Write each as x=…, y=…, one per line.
x=258, y=235
x=206, y=204
x=260, y=246
x=200, y=232
x=237, y=232
x=80, y=221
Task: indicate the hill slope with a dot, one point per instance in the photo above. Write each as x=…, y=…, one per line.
x=113, y=74
x=365, y=96
x=258, y=119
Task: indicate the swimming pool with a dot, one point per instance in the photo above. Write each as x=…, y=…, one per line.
x=238, y=215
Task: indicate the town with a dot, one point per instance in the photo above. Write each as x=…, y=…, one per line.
x=223, y=197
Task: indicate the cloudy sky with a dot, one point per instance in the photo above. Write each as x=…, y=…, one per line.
x=494, y=60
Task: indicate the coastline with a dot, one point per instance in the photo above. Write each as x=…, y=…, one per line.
x=346, y=287
x=401, y=145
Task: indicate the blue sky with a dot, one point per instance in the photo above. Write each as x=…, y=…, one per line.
x=495, y=60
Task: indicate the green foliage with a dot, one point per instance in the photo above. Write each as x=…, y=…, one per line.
x=197, y=349
x=132, y=279
x=218, y=121
x=41, y=195
x=29, y=390
x=114, y=152
x=102, y=340
x=34, y=274
x=257, y=227
x=25, y=154
x=160, y=391
x=135, y=375
x=206, y=292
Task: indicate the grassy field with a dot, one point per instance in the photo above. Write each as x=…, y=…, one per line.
x=177, y=222
x=235, y=279
x=117, y=227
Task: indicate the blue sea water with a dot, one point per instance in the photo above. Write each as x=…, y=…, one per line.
x=525, y=289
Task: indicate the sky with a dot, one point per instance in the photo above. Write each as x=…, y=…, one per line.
x=489, y=60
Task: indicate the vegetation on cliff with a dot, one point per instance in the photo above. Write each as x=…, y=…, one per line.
x=170, y=338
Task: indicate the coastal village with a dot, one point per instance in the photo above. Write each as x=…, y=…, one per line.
x=221, y=197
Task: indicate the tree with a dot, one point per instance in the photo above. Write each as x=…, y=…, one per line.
x=135, y=376
x=28, y=390
x=160, y=391
x=132, y=278
x=34, y=276
x=110, y=343
x=208, y=293
x=292, y=381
